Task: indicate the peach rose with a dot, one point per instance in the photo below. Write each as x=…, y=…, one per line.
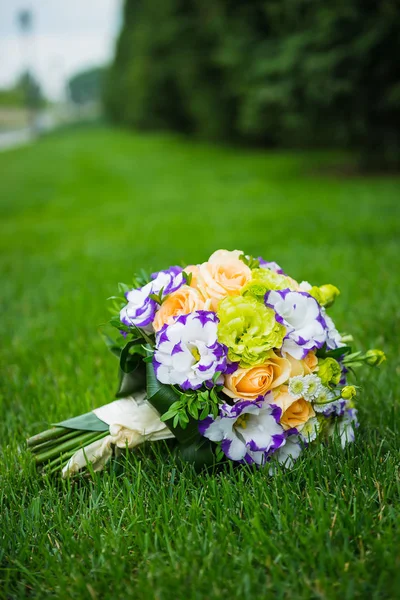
x=194, y=271
x=303, y=367
x=257, y=381
x=182, y=302
x=223, y=275
x=311, y=361
x=295, y=413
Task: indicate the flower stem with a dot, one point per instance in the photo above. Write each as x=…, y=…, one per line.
x=61, y=454
x=77, y=442
x=44, y=436
x=57, y=441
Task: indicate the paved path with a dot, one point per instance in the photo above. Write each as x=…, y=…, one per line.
x=12, y=139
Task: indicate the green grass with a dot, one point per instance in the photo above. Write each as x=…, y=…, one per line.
x=83, y=210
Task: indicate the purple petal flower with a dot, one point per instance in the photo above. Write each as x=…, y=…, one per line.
x=301, y=314
x=273, y=266
x=188, y=351
x=140, y=310
x=247, y=430
x=168, y=281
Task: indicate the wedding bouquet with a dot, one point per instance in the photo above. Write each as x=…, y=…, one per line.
x=232, y=358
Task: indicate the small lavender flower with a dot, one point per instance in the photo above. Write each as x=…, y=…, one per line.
x=273, y=266
x=247, y=431
x=187, y=352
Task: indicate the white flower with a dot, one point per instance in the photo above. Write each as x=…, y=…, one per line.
x=310, y=430
x=328, y=404
x=313, y=387
x=347, y=426
x=298, y=386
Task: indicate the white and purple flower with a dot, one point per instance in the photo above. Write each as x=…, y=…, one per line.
x=167, y=281
x=287, y=454
x=347, y=426
x=301, y=314
x=272, y=265
x=141, y=308
x=187, y=352
x=333, y=337
x=248, y=431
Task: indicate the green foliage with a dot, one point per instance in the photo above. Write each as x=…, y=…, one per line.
x=87, y=86
x=276, y=72
x=90, y=208
x=26, y=93
x=197, y=404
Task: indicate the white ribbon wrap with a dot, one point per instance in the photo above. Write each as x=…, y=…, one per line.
x=131, y=420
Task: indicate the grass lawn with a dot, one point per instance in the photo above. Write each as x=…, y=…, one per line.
x=82, y=210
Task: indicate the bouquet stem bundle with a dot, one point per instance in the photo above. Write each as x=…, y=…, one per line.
x=54, y=447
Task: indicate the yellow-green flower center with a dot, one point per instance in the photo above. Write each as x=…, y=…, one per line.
x=195, y=353
x=242, y=421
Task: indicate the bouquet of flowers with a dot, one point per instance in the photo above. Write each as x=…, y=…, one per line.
x=232, y=358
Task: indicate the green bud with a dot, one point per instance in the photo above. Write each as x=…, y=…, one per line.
x=325, y=295
x=348, y=392
x=374, y=357
x=329, y=371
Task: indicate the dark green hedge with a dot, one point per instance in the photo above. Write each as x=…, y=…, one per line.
x=276, y=72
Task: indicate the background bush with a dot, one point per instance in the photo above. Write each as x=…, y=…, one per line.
x=271, y=72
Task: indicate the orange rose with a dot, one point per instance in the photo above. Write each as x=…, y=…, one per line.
x=223, y=275
x=303, y=367
x=257, y=381
x=295, y=413
x=182, y=302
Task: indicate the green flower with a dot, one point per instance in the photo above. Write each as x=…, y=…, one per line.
x=325, y=295
x=264, y=280
x=249, y=330
x=348, y=392
x=374, y=358
x=329, y=371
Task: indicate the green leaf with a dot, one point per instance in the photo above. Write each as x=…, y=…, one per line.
x=122, y=287
x=131, y=382
x=336, y=353
x=187, y=277
x=204, y=413
x=162, y=397
x=216, y=376
x=86, y=422
x=200, y=454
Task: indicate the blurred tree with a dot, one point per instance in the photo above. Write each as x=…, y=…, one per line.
x=86, y=87
x=277, y=72
x=32, y=91
x=25, y=93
